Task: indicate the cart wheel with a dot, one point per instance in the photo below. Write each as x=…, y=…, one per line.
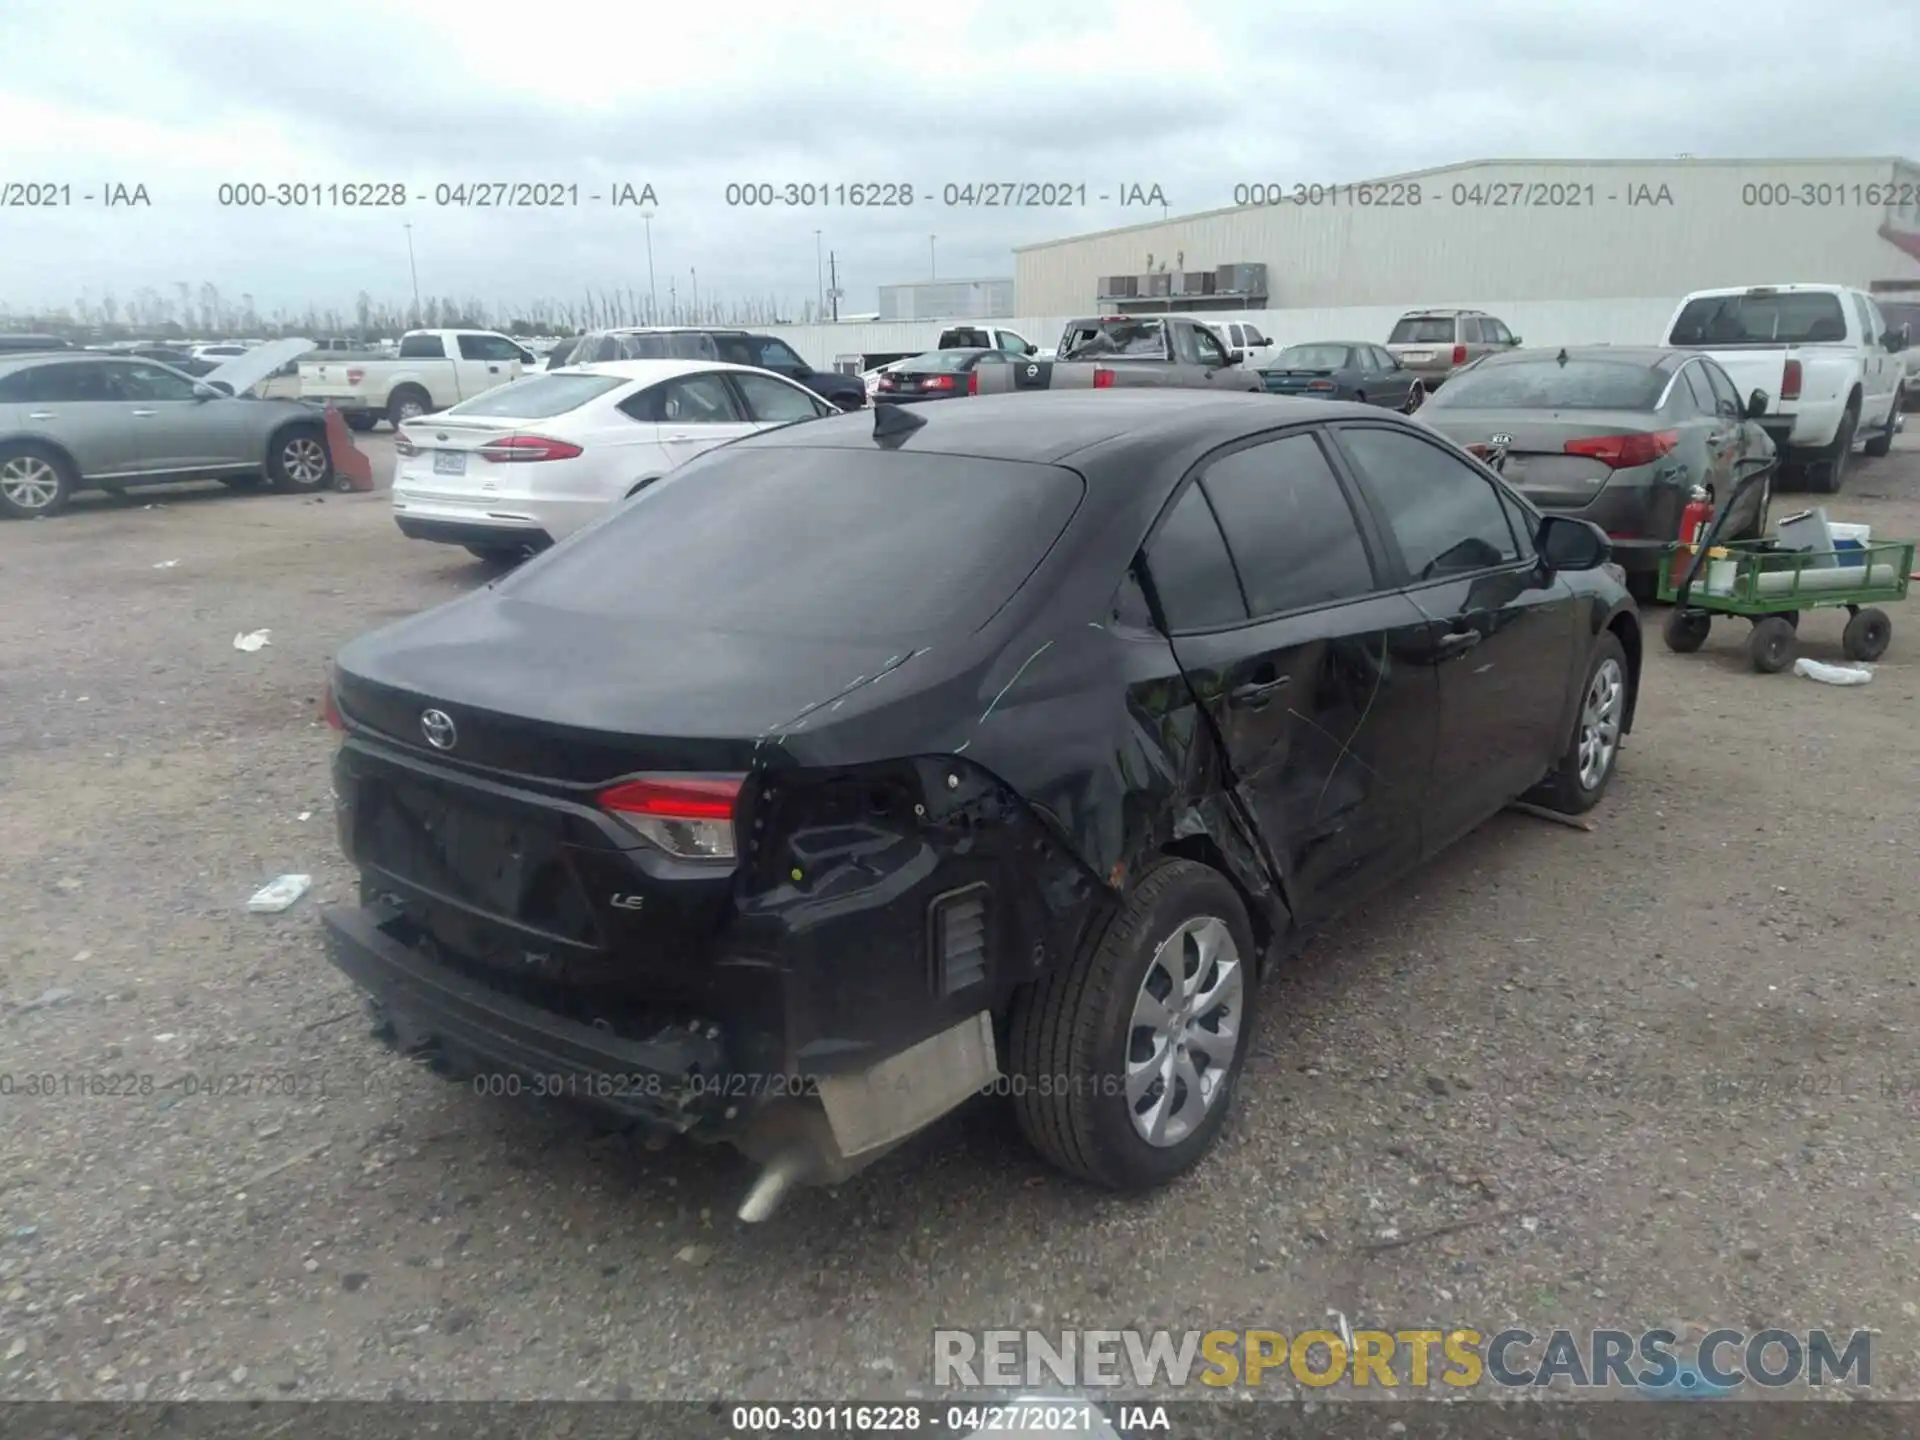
x=1792, y=617
x=1866, y=635
x=1686, y=630
x=1771, y=645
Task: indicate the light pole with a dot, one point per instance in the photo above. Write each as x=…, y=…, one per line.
x=414, y=270
x=933, y=270
x=819, y=276
x=653, y=296
x=694, y=271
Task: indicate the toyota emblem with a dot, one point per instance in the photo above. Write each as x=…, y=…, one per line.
x=437, y=726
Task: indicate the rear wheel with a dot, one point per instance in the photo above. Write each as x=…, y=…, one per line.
x=361, y=421
x=1867, y=635
x=1585, y=768
x=407, y=403
x=1828, y=472
x=847, y=404
x=298, y=463
x=1415, y=398
x=1882, y=440
x=1123, y=1064
x=1687, y=630
x=1771, y=645
x=34, y=482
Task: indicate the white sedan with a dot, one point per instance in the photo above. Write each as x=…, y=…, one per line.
x=513, y=470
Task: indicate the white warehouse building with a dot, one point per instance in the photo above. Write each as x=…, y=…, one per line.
x=1499, y=231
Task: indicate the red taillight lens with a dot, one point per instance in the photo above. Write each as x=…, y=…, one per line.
x=1478, y=450
x=1790, y=381
x=403, y=443
x=973, y=382
x=1319, y=385
x=688, y=816
x=355, y=375
x=513, y=449
x=1459, y=354
x=1623, y=452
x=885, y=382
x=1103, y=379
x=330, y=711
x=937, y=382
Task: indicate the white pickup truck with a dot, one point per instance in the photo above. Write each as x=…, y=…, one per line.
x=1825, y=357
x=433, y=370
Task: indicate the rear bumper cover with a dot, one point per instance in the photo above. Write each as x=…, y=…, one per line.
x=673, y=1080
x=471, y=532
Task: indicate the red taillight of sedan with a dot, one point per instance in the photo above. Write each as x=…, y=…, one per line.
x=519, y=449
x=973, y=382
x=1103, y=379
x=1623, y=452
x=404, y=444
x=688, y=816
x=330, y=711
x=937, y=382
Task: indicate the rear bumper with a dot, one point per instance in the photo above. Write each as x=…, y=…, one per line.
x=346, y=404
x=470, y=532
x=672, y=1081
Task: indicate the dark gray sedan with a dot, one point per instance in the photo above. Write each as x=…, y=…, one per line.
x=1344, y=370
x=1616, y=435
x=79, y=421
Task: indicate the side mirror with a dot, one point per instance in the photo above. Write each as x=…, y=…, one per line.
x=1032, y=349
x=1515, y=340
x=211, y=390
x=1895, y=340
x=1757, y=403
x=1567, y=543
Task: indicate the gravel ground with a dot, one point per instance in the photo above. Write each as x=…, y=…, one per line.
x=1665, y=1070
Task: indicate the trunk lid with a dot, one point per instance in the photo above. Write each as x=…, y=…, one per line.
x=1538, y=465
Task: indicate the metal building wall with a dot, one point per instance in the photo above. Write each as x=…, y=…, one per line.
x=1506, y=228
x=947, y=299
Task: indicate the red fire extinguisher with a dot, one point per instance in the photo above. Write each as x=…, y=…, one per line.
x=1693, y=525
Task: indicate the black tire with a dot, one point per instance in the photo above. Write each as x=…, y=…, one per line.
x=1867, y=635
x=1643, y=586
x=1882, y=441
x=409, y=402
x=1686, y=630
x=361, y=421
x=298, y=462
x=1416, y=397
x=1772, y=644
x=1570, y=789
x=1071, y=1034
x=847, y=404
x=1359, y=397
x=34, y=481
x=1828, y=472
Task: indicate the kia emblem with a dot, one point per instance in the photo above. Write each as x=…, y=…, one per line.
x=1502, y=440
x=438, y=727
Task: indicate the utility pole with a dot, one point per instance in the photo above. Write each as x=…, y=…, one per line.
x=673, y=304
x=694, y=271
x=414, y=270
x=833, y=290
x=819, y=276
x=653, y=295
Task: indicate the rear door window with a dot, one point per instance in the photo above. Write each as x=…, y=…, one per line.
x=1192, y=572
x=773, y=402
x=815, y=543
x=1292, y=534
x=1725, y=393
x=1694, y=383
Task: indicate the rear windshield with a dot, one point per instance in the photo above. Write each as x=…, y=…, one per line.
x=1422, y=330
x=1086, y=339
x=1312, y=357
x=964, y=338
x=809, y=543
x=422, y=347
x=1800, y=318
x=939, y=361
x=539, y=397
x=1545, y=384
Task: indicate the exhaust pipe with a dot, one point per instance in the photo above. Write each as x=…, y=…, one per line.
x=772, y=1186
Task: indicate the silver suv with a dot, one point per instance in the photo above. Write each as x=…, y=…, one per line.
x=1435, y=343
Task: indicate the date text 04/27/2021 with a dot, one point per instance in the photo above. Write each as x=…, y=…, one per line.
x=951, y=195
x=458, y=195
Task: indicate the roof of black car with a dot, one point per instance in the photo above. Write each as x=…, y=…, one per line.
x=1047, y=428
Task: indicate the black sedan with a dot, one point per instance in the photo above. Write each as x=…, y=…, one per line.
x=863, y=765
x=936, y=375
x=1619, y=435
x=1344, y=370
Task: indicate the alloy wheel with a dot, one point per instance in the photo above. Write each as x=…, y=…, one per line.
x=305, y=460
x=30, y=482
x=1184, y=1031
x=1600, y=723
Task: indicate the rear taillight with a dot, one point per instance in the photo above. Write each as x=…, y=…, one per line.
x=1790, y=381
x=403, y=443
x=1623, y=452
x=973, y=382
x=885, y=382
x=1103, y=379
x=330, y=711
x=1319, y=385
x=1459, y=354
x=514, y=449
x=937, y=382
x=355, y=375
x=1478, y=450
x=688, y=816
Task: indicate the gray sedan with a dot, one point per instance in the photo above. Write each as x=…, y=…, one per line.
x=1616, y=435
x=76, y=421
x=1343, y=370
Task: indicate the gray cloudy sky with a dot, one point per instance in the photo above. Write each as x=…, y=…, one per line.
x=1192, y=95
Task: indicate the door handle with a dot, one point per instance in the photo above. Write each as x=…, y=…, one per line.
x=40, y=414
x=1258, y=692
x=493, y=369
x=1456, y=641
x=143, y=413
